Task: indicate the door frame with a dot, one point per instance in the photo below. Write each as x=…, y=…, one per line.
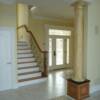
x=54, y=66
x=47, y=27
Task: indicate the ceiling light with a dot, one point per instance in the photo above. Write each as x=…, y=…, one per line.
x=33, y=8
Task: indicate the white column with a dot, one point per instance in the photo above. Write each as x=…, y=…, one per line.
x=79, y=40
x=22, y=19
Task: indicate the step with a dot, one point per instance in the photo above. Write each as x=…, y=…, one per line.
x=28, y=67
x=25, y=55
x=29, y=80
x=23, y=47
x=27, y=64
x=26, y=59
x=24, y=51
x=34, y=69
x=27, y=73
x=25, y=76
x=22, y=43
x=28, y=48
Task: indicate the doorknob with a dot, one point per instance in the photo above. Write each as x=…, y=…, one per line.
x=54, y=53
x=9, y=63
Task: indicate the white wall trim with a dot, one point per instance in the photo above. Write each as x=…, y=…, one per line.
x=53, y=19
x=70, y=2
x=31, y=82
x=94, y=88
x=47, y=27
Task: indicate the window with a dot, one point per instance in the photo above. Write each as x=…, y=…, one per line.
x=59, y=32
x=67, y=54
x=59, y=51
x=50, y=52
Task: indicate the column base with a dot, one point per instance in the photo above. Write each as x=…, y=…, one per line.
x=78, y=90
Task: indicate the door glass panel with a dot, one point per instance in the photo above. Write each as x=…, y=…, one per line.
x=59, y=32
x=67, y=54
x=50, y=52
x=59, y=51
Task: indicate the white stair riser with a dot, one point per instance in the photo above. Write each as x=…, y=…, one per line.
x=31, y=82
x=24, y=51
x=28, y=70
x=25, y=55
x=22, y=43
x=27, y=64
x=26, y=60
x=29, y=75
x=23, y=47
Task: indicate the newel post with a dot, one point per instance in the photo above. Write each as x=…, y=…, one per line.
x=45, y=64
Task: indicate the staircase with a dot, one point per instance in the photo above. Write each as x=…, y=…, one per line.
x=28, y=68
x=32, y=61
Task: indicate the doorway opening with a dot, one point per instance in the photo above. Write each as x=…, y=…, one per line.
x=59, y=41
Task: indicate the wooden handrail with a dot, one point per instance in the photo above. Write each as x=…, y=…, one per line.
x=30, y=32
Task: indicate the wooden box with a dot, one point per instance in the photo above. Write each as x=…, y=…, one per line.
x=78, y=90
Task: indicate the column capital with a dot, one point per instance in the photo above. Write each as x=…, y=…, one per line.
x=80, y=4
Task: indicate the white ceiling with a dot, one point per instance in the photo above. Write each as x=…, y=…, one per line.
x=8, y=1
x=49, y=8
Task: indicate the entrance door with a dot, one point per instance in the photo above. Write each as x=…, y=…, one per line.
x=58, y=51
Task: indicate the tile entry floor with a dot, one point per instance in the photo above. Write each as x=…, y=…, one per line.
x=53, y=88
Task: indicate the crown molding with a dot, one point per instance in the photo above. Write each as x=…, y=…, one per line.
x=70, y=2
x=8, y=2
x=52, y=19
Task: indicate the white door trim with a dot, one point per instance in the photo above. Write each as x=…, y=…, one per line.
x=47, y=27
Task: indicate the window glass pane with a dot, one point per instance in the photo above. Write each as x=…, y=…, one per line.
x=50, y=52
x=59, y=51
x=59, y=32
x=68, y=51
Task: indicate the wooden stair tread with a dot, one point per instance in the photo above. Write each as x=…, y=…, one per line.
x=29, y=79
x=24, y=49
x=26, y=62
x=25, y=53
x=22, y=44
x=27, y=67
x=26, y=73
x=25, y=57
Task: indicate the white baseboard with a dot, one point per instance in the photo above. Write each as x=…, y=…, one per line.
x=31, y=82
x=70, y=98
x=94, y=88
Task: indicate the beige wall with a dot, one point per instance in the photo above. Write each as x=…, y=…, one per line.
x=93, y=43
x=22, y=19
x=7, y=15
x=38, y=27
x=8, y=20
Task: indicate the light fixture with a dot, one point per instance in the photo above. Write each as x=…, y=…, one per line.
x=33, y=8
